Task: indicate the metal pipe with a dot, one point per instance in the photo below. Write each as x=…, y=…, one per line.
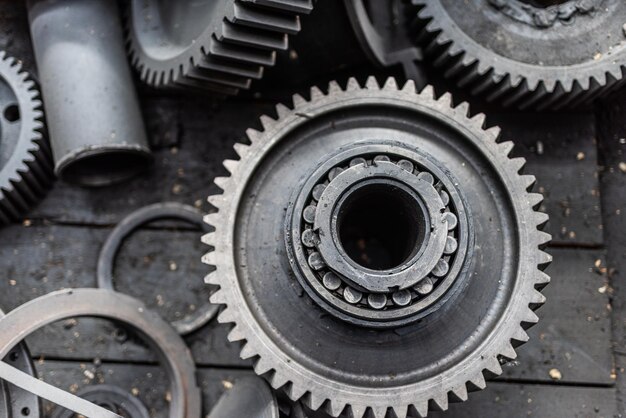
x=94, y=120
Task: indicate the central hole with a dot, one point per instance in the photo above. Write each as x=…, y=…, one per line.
x=380, y=226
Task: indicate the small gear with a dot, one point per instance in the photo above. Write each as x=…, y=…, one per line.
x=25, y=157
x=527, y=54
x=361, y=226
x=217, y=45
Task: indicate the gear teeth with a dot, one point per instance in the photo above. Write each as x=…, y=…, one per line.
x=479, y=121
x=427, y=92
x=207, y=238
x=235, y=334
x=210, y=219
x=247, y=351
x=215, y=200
x=253, y=135
x=210, y=259
x=541, y=280
x=541, y=219
x=390, y=84
x=518, y=163
x=458, y=394
x=267, y=122
x=419, y=410
x=494, y=367
x=353, y=84
x=476, y=383
x=27, y=172
x=294, y=392
x=358, y=411
x=439, y=402
x=222, y=182
x=520, y=336
x=544, y=260
x=314, y=401
x=508, y=352
x=298, y=101
x=506, y=147
x=334, y=409
x=334, y=88
x=543, y=238
x=528, y=181
x=230, y=166
x=226, y=57
x=446, y=99
x=463, y=108
x=535, y=200
x=242, y=149
x=530, y=319
x=503, y=81
x=219, y=298
x=211, y=279
x=316, y=93
x=261, y=366
x=372, y=83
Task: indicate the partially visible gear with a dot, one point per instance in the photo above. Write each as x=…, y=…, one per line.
x=381, y=28
x=339, y=222
x=25, y=157
x=217, y=45
x=109, y=397
x=15, y=402
x=527, y=54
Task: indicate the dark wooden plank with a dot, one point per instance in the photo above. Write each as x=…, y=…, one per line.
x=516, y=400
x=574, y=332
x=561, y=151
x=148, y=383
x=160, y=267
x=613, y=185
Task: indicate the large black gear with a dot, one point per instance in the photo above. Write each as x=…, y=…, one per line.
x=522, y=54
x=217, y=45
x=25, y=157
x=349, y=187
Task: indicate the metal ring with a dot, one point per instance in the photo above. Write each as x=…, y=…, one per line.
x=100, y=303
x=164, y=210
x=13, y=398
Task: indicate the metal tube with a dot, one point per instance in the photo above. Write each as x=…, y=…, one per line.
x=94, y=120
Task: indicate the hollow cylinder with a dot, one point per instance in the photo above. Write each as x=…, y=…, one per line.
x=94, y=120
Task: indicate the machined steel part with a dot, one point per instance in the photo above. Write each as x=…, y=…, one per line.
x=545, y=56
x=323, y=359
x=16, y=402
x=142, y=216
x=348, y=200
x=92, y=110
x=109, y=397
x=217, y=45
x=381, y=28
x=25, y=158
x=70, y=303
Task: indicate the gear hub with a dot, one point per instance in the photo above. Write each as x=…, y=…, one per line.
x=377, y=250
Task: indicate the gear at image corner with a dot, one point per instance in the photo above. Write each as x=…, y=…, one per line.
x=25, y=156
x=376, y=251
x=215, y=45
x=546, y=54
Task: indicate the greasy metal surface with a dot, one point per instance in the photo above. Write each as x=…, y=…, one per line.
x=65, y=304
x=92, y=110
x=147, y=214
